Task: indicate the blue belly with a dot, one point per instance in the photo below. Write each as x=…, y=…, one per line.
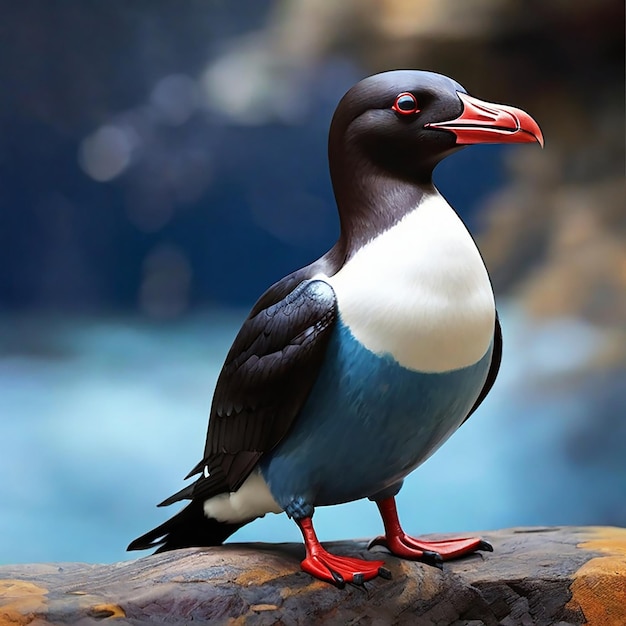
x=368, y=423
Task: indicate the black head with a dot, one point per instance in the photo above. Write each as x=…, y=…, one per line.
x=383, y=119
x=404, y=122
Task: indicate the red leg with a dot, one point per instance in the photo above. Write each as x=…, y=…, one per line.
x=402, y=545
x=336, y=569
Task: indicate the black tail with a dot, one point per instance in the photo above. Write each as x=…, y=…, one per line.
x=188, y=528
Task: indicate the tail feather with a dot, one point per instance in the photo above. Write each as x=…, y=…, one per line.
x=188, y=528
x=186, y=493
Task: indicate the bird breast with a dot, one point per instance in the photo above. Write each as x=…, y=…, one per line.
x=420, y=292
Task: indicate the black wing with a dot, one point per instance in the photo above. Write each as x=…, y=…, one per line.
x=264, y=382
x=496, y=358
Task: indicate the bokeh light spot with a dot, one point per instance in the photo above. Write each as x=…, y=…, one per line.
x=175, y=98
x=107, y=152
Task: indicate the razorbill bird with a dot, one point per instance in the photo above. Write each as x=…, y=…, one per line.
x=352, y=371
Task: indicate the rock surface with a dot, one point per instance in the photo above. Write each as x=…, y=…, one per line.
x=534, y=576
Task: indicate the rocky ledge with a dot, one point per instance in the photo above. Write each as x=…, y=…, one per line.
x=534, y=576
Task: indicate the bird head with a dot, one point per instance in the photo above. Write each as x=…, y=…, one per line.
x=404, y=122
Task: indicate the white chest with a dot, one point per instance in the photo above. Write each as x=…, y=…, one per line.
x=420, y=292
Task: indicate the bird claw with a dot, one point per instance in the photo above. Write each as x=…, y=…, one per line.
x=485, y=546
x=433, y=558
x=338, y=579
x=381, y=540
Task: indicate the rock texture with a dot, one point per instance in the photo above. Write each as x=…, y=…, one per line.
x=534, y=576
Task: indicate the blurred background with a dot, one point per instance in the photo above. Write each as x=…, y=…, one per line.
x=162, y=163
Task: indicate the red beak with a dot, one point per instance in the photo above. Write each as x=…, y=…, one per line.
x=484, y=122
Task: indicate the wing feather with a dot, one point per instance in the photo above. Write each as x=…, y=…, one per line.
x=494, y=368
x=266, y=378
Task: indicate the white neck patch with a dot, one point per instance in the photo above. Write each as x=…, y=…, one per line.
x=420, y=292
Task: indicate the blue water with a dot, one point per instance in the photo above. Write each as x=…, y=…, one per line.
x=101, y=419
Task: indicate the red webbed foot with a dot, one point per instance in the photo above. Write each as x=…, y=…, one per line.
x=337, y=570
x=432, y=552
x=340, y=570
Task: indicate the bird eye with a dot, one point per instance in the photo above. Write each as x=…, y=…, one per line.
x=405, y=104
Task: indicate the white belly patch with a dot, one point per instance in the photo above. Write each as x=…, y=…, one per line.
x=420, y=292
x=253, y=499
